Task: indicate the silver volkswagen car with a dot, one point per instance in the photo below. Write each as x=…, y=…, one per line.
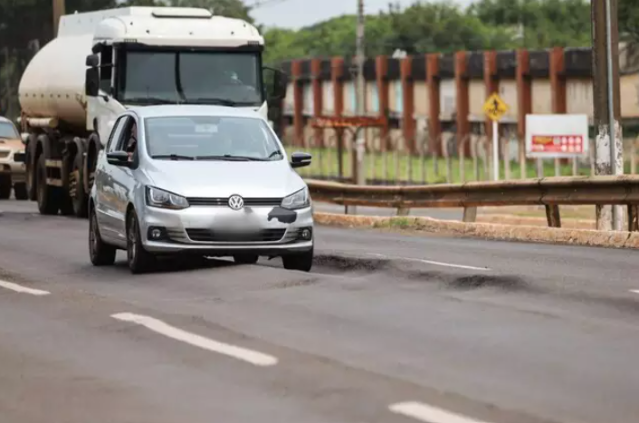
x=205, y=180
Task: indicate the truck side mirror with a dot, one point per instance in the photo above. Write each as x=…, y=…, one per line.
x=93, y=61
x=276, y=84
x=92, y=82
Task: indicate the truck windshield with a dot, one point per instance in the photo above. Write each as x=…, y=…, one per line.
x=194, y=77
x=210, y=138
x=7, y=130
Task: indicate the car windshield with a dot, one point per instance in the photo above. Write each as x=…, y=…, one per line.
x=7, y=130
x=210, y=138
x=198, y=77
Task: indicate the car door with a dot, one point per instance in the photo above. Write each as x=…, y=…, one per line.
x=104, y=183
x=123, y=178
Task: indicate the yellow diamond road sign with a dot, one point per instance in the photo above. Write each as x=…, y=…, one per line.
x=495, y=107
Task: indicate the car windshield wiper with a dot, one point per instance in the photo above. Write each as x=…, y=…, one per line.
x=231, y=158
x=172, y=157
x=152, y=100
x=275, y=153
x=219, y=101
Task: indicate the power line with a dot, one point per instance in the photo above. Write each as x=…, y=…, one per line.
x=259, y=3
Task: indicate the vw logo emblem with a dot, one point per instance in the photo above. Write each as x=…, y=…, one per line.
x=236, y=202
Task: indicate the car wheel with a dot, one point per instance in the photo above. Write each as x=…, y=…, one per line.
x=299, y=261
x=139, y=260
x=101, y=253
x=245, y=258
x=20, y=191
x=5, y=187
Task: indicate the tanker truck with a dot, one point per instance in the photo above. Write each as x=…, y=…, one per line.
x=101, y=63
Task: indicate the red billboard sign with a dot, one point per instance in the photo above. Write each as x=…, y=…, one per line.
x=562, y=144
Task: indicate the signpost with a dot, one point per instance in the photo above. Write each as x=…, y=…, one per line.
x=556, y=136
x=495, y=108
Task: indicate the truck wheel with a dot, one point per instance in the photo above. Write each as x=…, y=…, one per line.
x=48, y=196
x=299, y=261
x=30, y=167
x=5, y=187
x=101, y=254
x=139, y=260
x=77, y=192
x=20, y=191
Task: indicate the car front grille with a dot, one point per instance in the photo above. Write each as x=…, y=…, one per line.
x=208, y=235
x=248, y=202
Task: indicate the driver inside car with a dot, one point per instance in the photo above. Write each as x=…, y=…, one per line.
x=133, y=141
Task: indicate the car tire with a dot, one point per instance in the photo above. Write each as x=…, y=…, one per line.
x=20, y=191
x=101, y=253
x=246, y=258
x=139, y=260
x=5, y=187
x=299, y=261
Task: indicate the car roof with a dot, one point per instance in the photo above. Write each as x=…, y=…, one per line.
x=5, y=120
x=166, y=110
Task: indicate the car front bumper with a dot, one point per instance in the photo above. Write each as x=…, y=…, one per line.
x=221, y=231
x=9, y=165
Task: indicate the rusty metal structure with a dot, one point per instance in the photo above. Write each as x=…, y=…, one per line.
x=428, y=84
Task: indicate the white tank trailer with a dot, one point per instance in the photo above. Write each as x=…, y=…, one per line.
x=103, y=62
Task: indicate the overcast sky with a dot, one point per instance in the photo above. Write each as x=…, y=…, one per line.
x=299, y=13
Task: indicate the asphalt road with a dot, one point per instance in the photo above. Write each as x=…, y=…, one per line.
x=386, y=328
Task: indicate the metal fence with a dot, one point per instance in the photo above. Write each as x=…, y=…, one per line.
x=391, y=163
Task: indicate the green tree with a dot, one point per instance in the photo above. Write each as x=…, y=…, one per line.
x=628, y=17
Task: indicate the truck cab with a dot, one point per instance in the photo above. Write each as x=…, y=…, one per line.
x=102, y=63
x=145, y=56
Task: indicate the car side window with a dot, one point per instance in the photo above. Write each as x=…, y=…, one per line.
x=115, y=134
x=129, y=138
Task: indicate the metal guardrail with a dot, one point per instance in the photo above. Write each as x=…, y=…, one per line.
x=548, y=192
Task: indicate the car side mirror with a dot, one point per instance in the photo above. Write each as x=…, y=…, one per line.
x=300, y=160
x=118, y=158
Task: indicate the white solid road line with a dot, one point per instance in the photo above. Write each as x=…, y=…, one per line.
x=436, y=263
x=635, y=291
x=429, y=414
x=159, y=326
x=22, y=289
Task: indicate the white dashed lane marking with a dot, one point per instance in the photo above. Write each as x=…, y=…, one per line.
x=429, y=414
x=22, y=289
x=254, y=357
x=434, y=263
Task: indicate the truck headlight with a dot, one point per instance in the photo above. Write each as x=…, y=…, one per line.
x=156, y=197
x=297, y=200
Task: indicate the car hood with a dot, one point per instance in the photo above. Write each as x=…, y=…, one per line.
x=219, y=179
x=11, y=144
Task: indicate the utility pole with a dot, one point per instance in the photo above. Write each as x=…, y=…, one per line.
x=607, y=104
x=58, y=10
x=361, y=97
x=358, y=168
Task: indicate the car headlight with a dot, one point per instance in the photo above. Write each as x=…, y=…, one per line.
x=297, y=200
x=156, y=197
